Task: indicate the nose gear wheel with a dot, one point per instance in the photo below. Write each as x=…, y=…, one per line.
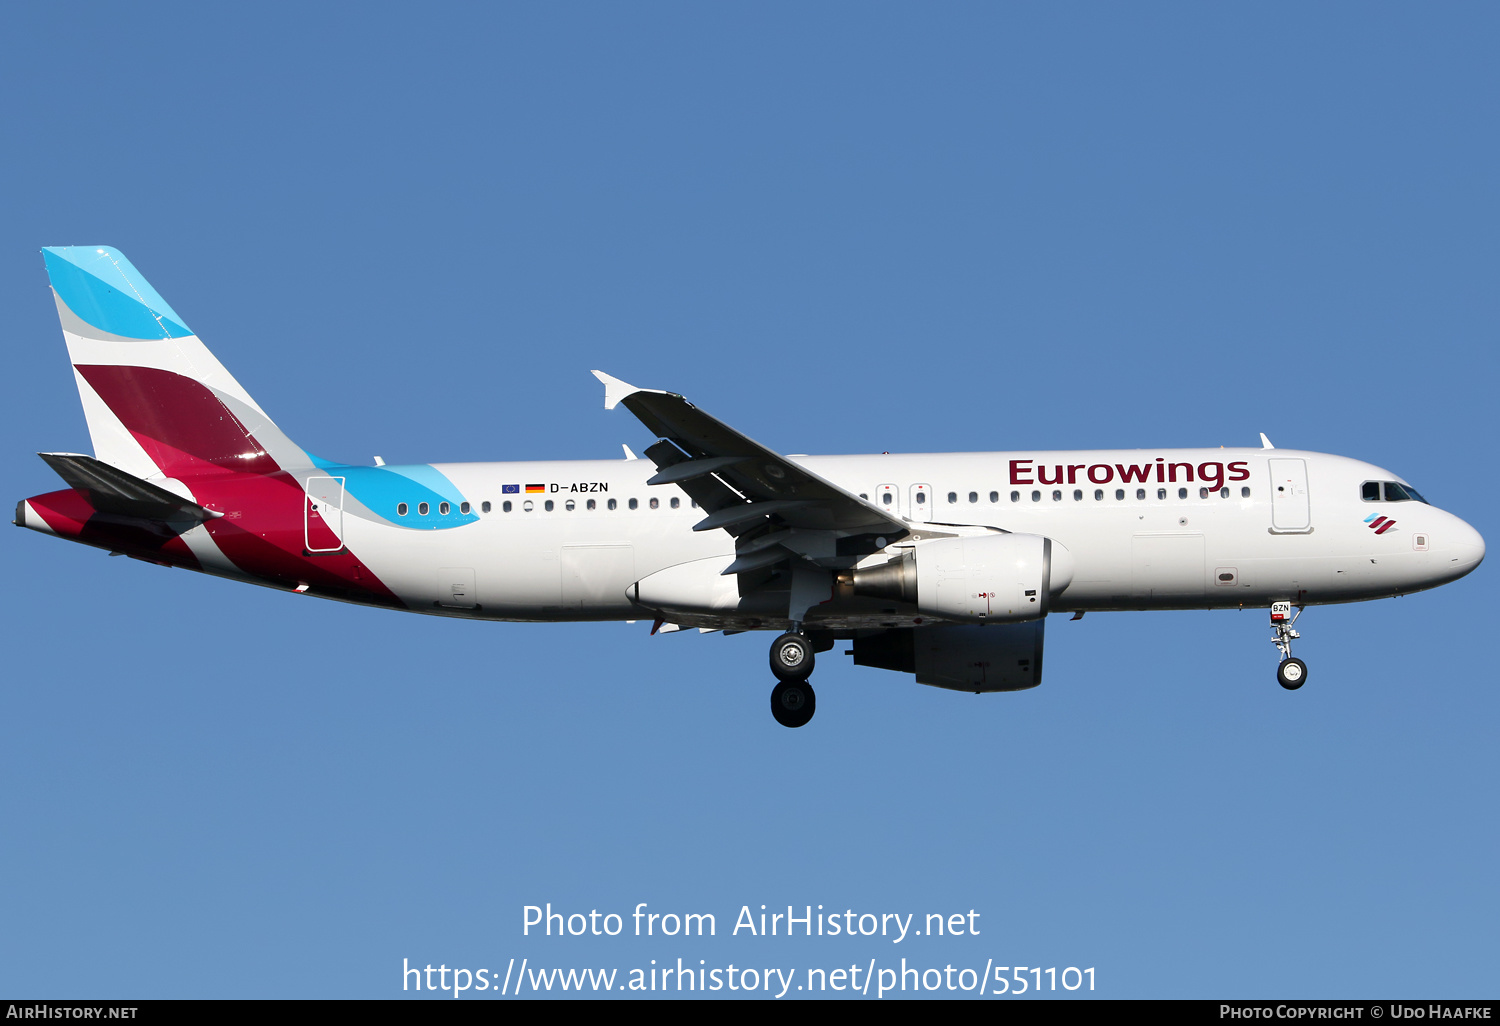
x=1290, y=673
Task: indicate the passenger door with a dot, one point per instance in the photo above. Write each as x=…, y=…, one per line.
x=1291, y=511
x=323, y=514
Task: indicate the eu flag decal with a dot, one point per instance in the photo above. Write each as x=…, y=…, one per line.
x=510, y=489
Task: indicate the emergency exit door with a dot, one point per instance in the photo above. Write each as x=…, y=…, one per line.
x=921, y=502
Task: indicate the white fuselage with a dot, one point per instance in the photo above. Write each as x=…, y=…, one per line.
x=1295, y=529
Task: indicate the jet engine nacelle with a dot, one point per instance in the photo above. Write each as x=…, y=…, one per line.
x=961, y=657
x=992, y=578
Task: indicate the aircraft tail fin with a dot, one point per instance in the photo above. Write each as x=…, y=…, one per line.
x=158, y=403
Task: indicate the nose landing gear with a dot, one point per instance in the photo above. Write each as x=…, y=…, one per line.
x=1290, y=673
x=792, y=699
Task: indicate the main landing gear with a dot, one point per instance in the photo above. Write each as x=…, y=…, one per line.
x=1291, y=673
x=792, y=699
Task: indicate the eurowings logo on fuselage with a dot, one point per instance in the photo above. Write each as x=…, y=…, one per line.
x=1379, y=524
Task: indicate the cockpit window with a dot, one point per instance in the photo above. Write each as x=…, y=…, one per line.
x=1389, y=491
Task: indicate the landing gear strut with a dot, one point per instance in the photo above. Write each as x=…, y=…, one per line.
x=1291, y=673
x=792, y=699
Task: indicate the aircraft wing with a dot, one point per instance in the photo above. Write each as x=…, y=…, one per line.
x=746, y=488
x=111, y=490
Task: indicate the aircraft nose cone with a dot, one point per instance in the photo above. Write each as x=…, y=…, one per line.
x=1468, y=548
x=1459, y=549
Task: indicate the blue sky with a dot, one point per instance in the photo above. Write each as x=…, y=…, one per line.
x=841, y=228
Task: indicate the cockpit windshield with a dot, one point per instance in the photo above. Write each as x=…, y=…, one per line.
x=1389, y=491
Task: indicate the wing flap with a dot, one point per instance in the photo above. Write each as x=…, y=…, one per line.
x=689, y=469
x=706, y=490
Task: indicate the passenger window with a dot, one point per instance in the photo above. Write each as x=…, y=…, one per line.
x=634, y=504
x=612, y=504
x=527, y=506
x=1245, y=492
x=921, y=498
x=1140, y=493
x=1370, y=491
x=952, y=497
x=1015, y=496
x=1119, y=494
x=864, y=495
x=655, y=503
x=591, y=505
x=443, y=508
x=1161, y=493
x=885, y=498
x=1077, y=494
x=570, y=505
x=1036, y=496
x=1182, y=493
x=676, y=502
x=485, y=507
x=1098, y=494
x=1202, y=493
x=421, y=509
x=1057, y=495
x=549, y=506
x=506, y=506
x=400, y=509
x=973, y=496
x=994, y=496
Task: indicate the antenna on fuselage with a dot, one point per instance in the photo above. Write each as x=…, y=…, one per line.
x=1265, y=443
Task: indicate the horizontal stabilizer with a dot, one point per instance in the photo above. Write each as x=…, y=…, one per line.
x=111, y=490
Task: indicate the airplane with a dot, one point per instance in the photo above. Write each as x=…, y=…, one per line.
x=943, y=565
